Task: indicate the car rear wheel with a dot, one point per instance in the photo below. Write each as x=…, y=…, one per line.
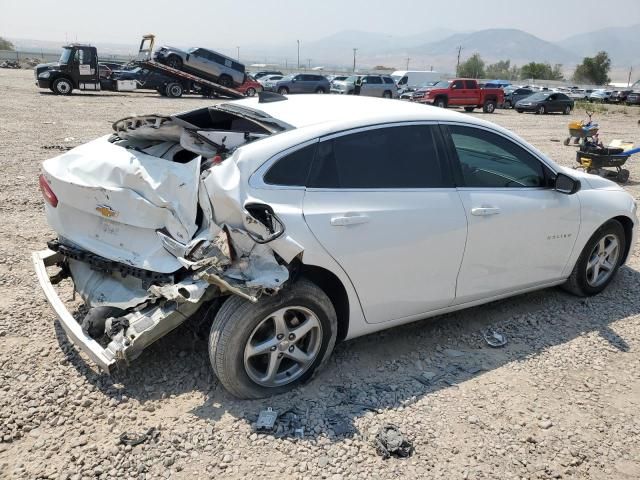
x=541, y=110
x=250, y=92
x=386, y=94
x=225, y=81
x=489, y=107
x=283, y=91
x=269, y=347
x=62, y=86
x=567, y=110
x=320, y=90
x=174, y=90
x=174, y=61
x=599, y=261
x=520, y=111
x=507, y=104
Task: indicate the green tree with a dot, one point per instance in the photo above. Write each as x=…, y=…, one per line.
x=5, y=44
x=594, y=69
x=502, y=69
x=541, y=71
x=472, y=68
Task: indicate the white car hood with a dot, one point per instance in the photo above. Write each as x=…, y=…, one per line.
x=588, y=180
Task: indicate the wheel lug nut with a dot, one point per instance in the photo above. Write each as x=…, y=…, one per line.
x=291, y=348
x=273, y=349
x=280, y=355
x=292, y=336
x=280, y=336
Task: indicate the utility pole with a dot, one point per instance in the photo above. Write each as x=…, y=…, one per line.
x=354, y=59
x=309, y=62
x=629, y=80
x=408, y=62
x=458, y=64
x=298, y=54
x=238, y=53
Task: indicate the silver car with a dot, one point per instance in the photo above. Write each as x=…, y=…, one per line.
x=200, y=61
x=367, y=86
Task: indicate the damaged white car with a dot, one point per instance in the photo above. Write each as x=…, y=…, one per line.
x=293, y=223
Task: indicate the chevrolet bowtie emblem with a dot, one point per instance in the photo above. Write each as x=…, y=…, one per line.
x=106, y=211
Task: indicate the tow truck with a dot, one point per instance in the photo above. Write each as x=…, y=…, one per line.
x=79, y=69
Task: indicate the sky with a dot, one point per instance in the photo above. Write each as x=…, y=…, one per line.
x=228, y=24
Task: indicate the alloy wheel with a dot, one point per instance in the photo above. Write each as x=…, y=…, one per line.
x=283, y=346
x=603, y=260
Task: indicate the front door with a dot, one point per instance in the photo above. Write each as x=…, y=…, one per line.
x=86, y=61
x=521, y=231
x=381, y=202
x=457, y=93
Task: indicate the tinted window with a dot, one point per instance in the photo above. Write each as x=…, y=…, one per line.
x=388, y=80
x=458, y=84
x=490, y=160
x=562, y=96
x=376, y=80
x=394, y=157
x=471, y=84
x=292, y=169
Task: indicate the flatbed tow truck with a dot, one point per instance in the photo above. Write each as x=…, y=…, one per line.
x=79, y=69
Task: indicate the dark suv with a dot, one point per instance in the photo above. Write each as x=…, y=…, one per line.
x=300, y=83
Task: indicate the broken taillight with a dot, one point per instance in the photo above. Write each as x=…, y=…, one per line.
x=47, y=193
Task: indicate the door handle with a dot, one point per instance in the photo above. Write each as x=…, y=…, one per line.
x=345, y=220
x=484, y=211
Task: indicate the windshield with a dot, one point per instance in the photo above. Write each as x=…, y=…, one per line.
x=538, y=97
x=396, y=78
x=442, y=84
x=66, y=55
x=351, y=79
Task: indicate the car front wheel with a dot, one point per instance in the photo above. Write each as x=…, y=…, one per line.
x=269, y=347
x=599, y=261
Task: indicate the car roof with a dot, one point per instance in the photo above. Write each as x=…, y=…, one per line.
x=305, y=110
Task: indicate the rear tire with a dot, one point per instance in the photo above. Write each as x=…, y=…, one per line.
x=507, y=104
x=283, y=91
x=387, y=94
x=567, y=110
x=489, y=107
x=320, y=90
x=226, y=81
x=174, y=90
x=250, y=92
x=582, y=281
x=239, y=328
x=62, y=86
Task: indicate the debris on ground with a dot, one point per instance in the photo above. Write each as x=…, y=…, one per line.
x=494, y=338
x=62, y=148
x=132, y=439
x=266, y=420
x=391, y=442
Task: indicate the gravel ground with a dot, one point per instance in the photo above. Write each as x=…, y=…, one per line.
x=561, y=400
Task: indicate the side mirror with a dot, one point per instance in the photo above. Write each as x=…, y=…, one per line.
x=293, y=79
x=565, y=184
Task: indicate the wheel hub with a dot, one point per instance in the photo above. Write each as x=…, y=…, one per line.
x=603, y=260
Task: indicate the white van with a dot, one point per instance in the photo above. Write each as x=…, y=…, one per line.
x=413, y=78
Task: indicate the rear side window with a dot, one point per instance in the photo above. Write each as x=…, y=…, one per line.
x=292, y=169
x=393, y=157
x=471, y=84
x=458, y=84
x=375, y=80
x=388, y=80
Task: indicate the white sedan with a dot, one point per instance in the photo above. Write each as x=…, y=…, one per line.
x=294, y=223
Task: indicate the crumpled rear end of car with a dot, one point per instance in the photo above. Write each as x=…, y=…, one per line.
x=152, y=223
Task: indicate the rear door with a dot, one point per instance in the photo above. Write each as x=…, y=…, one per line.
x=472, y=93
x=86, y=62
x=372, y=86
x=381, y=201
x=521, y=231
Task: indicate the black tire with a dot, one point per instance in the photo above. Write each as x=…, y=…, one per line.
x=441, y=102
x=236, y=322
x=225, y=81
x=623, y=176
x=283, y=91
x=469, y=109
x=567, y=110
x=320, y=90
x=250, y=92
x=489, y=107
x=541, y=110
x=173, y=90
x=567, y=141
x=577, y=283
x=62, y=86
x=387, y=94
x=507, y=104
x=174, y=61
x=520, y=111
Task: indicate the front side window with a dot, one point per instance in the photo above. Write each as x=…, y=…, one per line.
x=471, y=84
x=489, y=160
x=458, y=84
x=392, y=157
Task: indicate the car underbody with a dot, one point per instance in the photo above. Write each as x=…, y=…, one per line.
x=156, y=226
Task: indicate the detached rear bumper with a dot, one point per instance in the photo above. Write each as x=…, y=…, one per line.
x=103, y=358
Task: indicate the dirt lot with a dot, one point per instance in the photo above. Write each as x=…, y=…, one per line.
x=561, y=400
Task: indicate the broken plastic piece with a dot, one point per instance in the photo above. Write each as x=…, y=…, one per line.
x=133, y=440
x=391, y=442
x=494, y=339
x=266, y=420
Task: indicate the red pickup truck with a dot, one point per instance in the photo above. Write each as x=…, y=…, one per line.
x=466, y=93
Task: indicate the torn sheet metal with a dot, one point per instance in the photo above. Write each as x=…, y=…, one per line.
x=190, y=290
x=148, y=127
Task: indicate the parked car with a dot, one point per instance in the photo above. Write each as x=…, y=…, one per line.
x=464, y=92
x=250, y=87
x=510, y=99
x=355, y=183
x=546, y=102
x=206, y=63
x=269, y=78
x=264, y=73
x=619, y=96
x=337, y=78
x=600, y=95
x=299, y=83
x=579, y=94
x=633, y=97
x=366, y=86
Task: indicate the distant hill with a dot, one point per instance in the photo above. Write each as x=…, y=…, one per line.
x=622, y=44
